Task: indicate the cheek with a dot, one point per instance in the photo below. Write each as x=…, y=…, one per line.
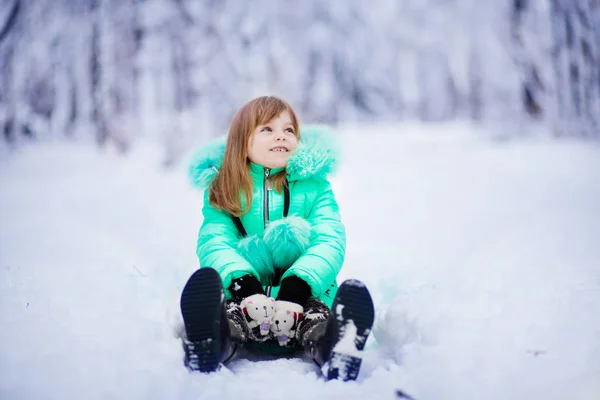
x=257, y=148
x=293, y=144
x=251, y=149
x=254, y=144
x=264, y=145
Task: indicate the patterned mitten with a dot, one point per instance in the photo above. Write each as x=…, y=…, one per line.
x=258, y=310
x=314, y=321
x=285, y=321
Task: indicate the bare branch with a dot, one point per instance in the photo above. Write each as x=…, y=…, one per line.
x=11, y=20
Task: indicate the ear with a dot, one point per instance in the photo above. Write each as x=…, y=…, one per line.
x=272, y=300
x=245, y=311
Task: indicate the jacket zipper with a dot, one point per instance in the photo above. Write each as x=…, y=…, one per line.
x=266, y=213
x=266, y=197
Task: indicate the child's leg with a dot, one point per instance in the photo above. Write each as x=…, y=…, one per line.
x=312, y=328
x=339, y=341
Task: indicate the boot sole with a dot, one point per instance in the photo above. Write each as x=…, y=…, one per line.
x=353, y=314
x=202, y=307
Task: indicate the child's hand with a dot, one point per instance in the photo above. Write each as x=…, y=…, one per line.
x=259, y=310
x=285, y=320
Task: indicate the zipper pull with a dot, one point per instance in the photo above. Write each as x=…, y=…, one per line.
x=267, y=181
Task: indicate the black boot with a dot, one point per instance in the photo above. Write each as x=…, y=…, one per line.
x=207, y=343
x=338, y=343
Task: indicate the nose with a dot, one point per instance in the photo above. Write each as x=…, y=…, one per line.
x=280, y=136
x=276, y=322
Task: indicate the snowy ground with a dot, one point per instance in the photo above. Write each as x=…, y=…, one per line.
x=483, y=259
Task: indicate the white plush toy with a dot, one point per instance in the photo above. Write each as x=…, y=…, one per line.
x=259, y=310
x=285, y=321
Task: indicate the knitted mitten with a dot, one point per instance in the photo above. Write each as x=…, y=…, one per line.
x=313, y=322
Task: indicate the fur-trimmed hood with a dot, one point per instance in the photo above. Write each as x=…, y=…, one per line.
x=316, y=156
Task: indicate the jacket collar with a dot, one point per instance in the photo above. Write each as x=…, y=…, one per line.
x=258, y=171
x=316, y=157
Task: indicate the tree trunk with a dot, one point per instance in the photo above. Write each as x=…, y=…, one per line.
x=98, y=118
x=576, y=62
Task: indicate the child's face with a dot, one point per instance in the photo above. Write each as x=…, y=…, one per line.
x=272, y=144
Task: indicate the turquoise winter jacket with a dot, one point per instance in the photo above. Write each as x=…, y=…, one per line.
x=309, y=243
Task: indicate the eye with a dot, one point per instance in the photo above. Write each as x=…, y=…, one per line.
x=285, y=321
x=266, y=129
x=290, y=130
x=257, y=308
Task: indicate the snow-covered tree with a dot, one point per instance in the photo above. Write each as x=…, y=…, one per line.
x=113, y=71
x=576, y=58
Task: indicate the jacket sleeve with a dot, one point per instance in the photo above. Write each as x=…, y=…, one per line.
x=322, y=261
x=216, y=246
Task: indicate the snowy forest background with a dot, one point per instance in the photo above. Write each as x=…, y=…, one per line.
x=176, y=70
x=478, y=237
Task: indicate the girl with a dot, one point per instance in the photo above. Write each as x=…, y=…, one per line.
x=270, y=248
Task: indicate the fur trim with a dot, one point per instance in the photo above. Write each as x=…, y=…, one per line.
x=286, y=239
x=315, y=157
x=253, y=249
x=206, y=162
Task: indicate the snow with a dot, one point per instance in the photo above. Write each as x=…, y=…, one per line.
x=481, y=255
x=346, y=344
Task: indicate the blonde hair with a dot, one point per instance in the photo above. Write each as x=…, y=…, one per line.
x=233, y=179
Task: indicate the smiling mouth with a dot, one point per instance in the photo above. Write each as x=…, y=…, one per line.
x=279, y=149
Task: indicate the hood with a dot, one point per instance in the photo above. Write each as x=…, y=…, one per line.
x=316, y=157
